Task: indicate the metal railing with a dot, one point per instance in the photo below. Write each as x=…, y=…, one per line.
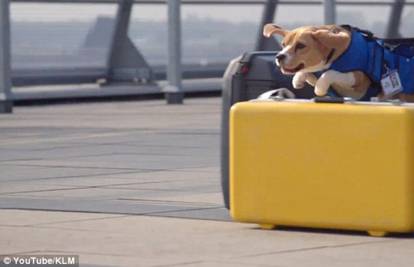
x=88, y=75
x=223, y=2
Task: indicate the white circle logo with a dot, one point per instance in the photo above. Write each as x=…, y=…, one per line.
x=6, y=260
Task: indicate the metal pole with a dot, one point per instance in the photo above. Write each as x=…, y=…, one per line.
x=329, y=11
x=395, y=20
x=173, y=91
x=6, y=104
x=269, y=10
x=120, y=30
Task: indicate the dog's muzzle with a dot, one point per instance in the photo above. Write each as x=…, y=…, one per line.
x=279, y=58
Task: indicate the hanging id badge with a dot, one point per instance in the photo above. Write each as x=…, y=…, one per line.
x=391, y=83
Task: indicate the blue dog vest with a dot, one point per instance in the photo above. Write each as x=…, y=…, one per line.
x=371, y=56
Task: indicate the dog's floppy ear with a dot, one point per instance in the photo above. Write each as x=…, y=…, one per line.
x=331, y=36
x=270, y=29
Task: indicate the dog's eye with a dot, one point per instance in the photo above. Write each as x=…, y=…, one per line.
x=299, y=46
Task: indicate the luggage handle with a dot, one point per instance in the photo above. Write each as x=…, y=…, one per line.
x=343, y=100
x=331, y=100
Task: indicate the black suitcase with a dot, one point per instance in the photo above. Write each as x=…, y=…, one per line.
x=247, y=77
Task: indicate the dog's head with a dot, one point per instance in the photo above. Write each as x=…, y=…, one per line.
x=309, y=48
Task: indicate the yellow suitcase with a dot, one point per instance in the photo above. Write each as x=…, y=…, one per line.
x=341, y=166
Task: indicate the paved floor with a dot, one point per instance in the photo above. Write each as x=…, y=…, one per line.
x=126, y=157
x=137, y=184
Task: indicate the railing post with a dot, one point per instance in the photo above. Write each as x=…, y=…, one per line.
x=122, y=19
x=6, y=103
x=126, y=64
x=395, y=20
x=268, y=15
x=173, y=91
x=329, y=8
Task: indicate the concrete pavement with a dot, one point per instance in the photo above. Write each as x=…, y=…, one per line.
x=137, y=184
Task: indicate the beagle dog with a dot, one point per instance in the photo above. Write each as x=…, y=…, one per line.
x=342, y=58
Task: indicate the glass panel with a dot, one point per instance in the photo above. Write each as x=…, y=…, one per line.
x=406, y=26
x=216, y=34
x=61, y=35
x=293, y=16
x=210, y=34
x=148, y=31
x=369, y=17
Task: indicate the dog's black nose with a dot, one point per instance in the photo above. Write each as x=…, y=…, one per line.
x=280, y=57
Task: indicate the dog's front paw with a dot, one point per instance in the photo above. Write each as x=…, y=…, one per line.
x=323, y=83
x=321, y=87
x=299, y=79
